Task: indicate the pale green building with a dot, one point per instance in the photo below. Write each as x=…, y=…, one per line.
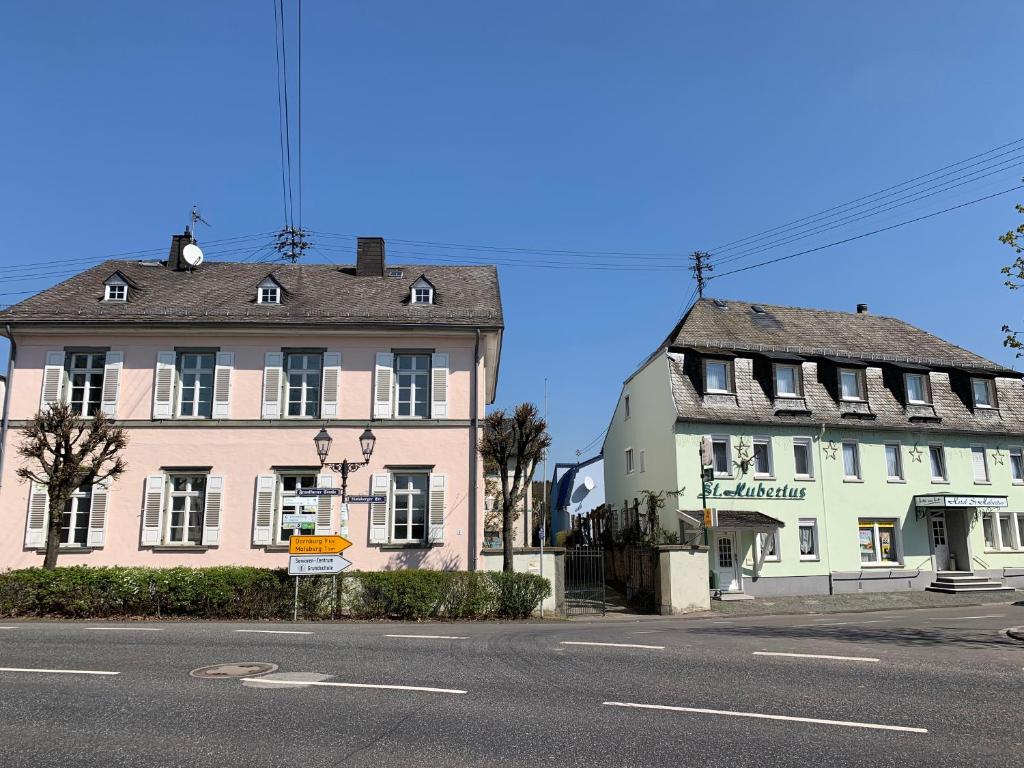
x=846, y=452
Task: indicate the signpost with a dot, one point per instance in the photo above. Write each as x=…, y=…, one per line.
x=308, y=565
x=316, y=555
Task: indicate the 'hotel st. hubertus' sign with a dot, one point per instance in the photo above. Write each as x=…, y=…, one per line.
x=960, y=501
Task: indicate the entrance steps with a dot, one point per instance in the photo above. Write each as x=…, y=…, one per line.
x=959, y=582
x=727, y=597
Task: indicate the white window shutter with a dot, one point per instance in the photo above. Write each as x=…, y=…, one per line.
x=324, y=507
x=263, y=517
x=438, y=493
x=212, y=508
x=383, y=388
x=331, y=396
x=273, y=371
x=439, y=385
x=153, y=511
x=53, y=379
x=163, y=385
x=222, y=385
x=100, y=503
x=111, y=383
x=38, y=516
x=379, y=512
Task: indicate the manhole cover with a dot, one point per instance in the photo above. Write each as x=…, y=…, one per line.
x=234, y=669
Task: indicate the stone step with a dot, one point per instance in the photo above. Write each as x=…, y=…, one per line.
x=959, y=589
x=954, y=573
x=945, y=579
x=726, y=597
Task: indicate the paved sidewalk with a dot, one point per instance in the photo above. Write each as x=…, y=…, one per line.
x=876, y=601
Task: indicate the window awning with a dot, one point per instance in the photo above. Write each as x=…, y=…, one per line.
x=735, y=518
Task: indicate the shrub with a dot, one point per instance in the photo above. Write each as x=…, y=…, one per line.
x=237, y=592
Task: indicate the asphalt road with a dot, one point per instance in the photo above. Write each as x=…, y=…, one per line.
x=938, y=687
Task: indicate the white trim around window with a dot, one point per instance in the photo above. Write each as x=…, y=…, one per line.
x=979, y=465
x=879, y=541
x=116, y=292
x=1017, y=466
x=630, y=466
x=854, y=377
x=625, y=407
x=643, y=460
x=894, y=462
x=787, y=380
x=721, y=451
x=916, y=385
x=774, y=554
x=851, y=462
x=803, y=445
x=1003, y=531
x=937, y=463
x=718, y=377
x=986, y=389
x=764, y=466
x=807, y=533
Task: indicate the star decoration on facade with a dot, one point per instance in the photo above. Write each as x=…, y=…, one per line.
x=915, y=453
x=997, y=456
x=830, y=450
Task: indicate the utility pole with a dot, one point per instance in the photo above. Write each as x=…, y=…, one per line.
x=544, y=480
x=291, y=243
x=701, y=264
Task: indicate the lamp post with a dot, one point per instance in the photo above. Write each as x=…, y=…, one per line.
x=323, y=441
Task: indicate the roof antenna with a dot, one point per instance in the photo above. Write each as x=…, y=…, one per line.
x=701, y=264
x=194, y=217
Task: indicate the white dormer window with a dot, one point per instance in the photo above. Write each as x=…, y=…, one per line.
x=422, y=292
x=268, y=292
x=116, y=292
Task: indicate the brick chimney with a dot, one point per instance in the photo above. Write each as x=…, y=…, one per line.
x=178, y=242
x=862, y=309
x=370, y=257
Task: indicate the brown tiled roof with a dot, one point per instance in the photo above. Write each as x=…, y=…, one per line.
x=817, y=332
x=225, y=293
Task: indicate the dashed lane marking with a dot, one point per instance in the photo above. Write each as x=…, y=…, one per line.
x=127, y=629
x=965, y=618
x=814, y=656
x=304, y=683
x=274, y=631
x=432, y=637
x=615, y=645
x=59, y=671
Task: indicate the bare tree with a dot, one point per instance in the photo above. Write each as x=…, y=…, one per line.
x=514, y=442
x=1014, y=238
x=65, y=452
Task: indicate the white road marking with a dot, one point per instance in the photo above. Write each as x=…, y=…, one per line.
x=828, y=624
x=648, y=632
x=353, y=685
x=616, y=645
x=814, y=656
x=965, y=618
x=274, y=631
x=8, y=627
x=128, y=629
x=433, y=637
x=762, y=716
x=59, y=671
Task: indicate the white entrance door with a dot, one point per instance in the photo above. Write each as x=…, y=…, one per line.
x=726, y=562
x=940, y=543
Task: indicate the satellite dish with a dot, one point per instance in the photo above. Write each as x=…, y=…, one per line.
x=192, y=255
x=588, y=483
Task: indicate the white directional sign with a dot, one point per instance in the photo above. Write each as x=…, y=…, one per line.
x=311, y=565
x=288, y=520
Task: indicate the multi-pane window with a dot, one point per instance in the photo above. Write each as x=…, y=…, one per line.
x=802, y=458
x=893, y=461
x=1017, y=465
x=877, y=541
x=720, y=454
x=787, y=381
x=85, y=381
x=74, y=525
x=629, y=461
x=270, y=294
x=195, y=392
x=979, y=464
x=186, y=499
x=851, y=461
x=412, y=380
x=851, y=384
x=422, y=295
x=768, y=546
x=808, y=535
x=762, y=457
x=983, y=395
x=716, y=376
x=409, y=511
x=1003, y=530
x=116, y=292
x=917, y=388
x=302, y=381
x=291, y=503
x=937, y=458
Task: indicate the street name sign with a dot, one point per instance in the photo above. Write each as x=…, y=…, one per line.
x=368, y=499
x=318, y=545
x=310, y=565
x=318, y=492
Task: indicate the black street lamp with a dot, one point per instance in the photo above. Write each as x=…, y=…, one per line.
x=323, y=441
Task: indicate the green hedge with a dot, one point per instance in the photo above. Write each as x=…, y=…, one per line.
x=236, y=592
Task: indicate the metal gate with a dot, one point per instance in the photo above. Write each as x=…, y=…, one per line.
x=584, y=581
x=641, y=569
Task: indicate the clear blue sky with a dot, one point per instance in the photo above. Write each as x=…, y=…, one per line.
x=657, y=127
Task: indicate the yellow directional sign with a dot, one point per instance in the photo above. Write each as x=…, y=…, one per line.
x=710, y=521
x=318, y=545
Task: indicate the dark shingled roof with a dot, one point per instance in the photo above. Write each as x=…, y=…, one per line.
x=817, y=332
x=225, y=293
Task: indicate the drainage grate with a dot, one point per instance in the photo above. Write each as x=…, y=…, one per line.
x=234, y=669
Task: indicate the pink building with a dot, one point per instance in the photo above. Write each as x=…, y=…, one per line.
x=223, y=374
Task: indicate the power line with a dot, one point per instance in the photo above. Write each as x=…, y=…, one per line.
x=867, y=234
x=727, y=246
x=299, y=138
x=281, y=110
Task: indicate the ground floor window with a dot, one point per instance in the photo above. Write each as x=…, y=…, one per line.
x=409, y=507
x=74, y=527
x=768, y=546
x=185, y=513
x=808, y=533
x=877, y=541
x=290, y=503
x=1003, y=530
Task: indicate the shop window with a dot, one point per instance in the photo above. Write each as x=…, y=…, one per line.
x=878, y=544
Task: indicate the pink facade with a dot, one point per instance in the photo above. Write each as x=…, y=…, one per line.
x=234, y=470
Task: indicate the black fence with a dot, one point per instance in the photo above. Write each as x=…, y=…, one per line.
x=641, y=570
x=584, y=582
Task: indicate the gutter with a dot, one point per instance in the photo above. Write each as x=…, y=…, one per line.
x=474, y=424
x=4, y=425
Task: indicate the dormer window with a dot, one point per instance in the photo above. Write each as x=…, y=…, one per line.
x=268, y=292
x=116, y=292
x=422, y=292
x=917, y=389
x=851, y=384
x=984, y=394
x=717, y=377
x=787, y=380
